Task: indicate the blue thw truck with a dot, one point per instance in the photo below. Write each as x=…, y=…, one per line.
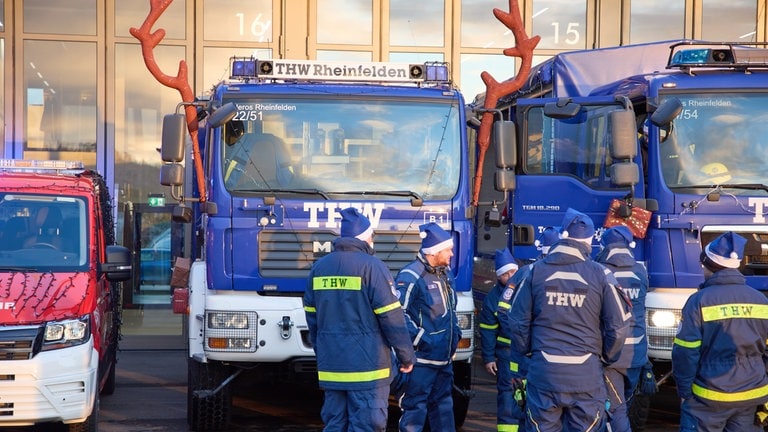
x=678, y=128
x=285, y=145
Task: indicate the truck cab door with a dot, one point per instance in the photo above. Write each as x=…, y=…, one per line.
x=565, y=160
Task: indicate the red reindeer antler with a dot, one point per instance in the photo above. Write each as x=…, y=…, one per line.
x=149, y=40
x=495, y=90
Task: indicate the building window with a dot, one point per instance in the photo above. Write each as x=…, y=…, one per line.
x=47, y=16
x=741, y=16
x=357, y=56
x=480, y=29
x=415, y=57
x=562, y=24
x=405, y=29
x=656, y=20
x=61, y=111
x=238, y=20
x=499, y=66
x=345, y=22
x=141, y=103
x=133, y=13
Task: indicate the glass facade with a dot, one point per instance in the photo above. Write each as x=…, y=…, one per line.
x=45, y=16
x=741, y=16
x=560, y=23
x=237, y=20
x=419, y=23
x=345, y=22
x=60, y=109
x=78, y=88
x=655, y=20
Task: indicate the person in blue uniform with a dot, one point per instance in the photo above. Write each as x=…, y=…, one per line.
x=719, y=350
x=622, y=376
x=494, y=346
x=426, y=289
x=519, y=363
x=355, y=321
x=549, y=236
x=572, y=317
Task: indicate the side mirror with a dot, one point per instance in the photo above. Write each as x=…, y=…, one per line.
x=182, y=214
x=505, y=142
x=172, y=174
x=666, y=112
x=564, y=108
x=624, y=174
x=623, y=135
x=117, y=265
x=505, y=180
x=174, y=132
x=222, y=115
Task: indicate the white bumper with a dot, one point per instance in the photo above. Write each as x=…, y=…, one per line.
x=277, y=325
x=53, y=386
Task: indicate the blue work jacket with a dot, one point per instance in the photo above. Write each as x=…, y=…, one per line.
x=719, y=350
x=571, y=316
x=355, y=318
x=429, y=301
x=633, y=279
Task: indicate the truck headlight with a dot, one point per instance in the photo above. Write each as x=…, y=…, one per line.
x=227, y=320
x=60, y=334
x=663, y=318
x=465, y=321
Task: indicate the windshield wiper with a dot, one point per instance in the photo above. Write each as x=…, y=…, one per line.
x=416, y=199
x=294, y=191
x=18, y=269
x=748, y=186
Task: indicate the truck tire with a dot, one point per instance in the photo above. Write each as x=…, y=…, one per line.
x=91, y=424
x=211, y=412
x=462, y=391
x=639, y=409
x=110, y=383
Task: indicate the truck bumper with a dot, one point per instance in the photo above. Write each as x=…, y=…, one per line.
x=277, y=328
x=53, y=386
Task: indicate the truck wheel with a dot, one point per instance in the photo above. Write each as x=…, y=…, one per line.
x=109, y=384
x=462, y=381
x=208, y=412
x=639, y=408
x=91, y=424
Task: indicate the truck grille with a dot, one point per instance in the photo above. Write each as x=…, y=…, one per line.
x=292, y=253
x=661, y=338
x=20, y=343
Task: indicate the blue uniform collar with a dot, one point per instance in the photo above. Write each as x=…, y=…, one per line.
x=352, y=244
x=724, y=277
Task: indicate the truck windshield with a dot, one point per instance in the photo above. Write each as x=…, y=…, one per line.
x=390, y=148
x=42, y=233
x=718, y=139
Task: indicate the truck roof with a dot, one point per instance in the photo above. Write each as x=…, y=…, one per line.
x=34, y=174
x=578, y=73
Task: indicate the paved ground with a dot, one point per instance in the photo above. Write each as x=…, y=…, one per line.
x=151, y=397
